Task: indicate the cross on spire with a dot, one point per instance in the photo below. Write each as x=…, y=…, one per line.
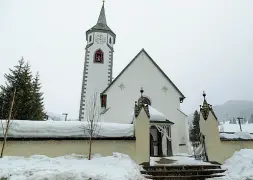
x=141, y=91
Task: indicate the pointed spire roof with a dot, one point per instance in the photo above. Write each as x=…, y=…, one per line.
x=102, y=17
x=101, y=23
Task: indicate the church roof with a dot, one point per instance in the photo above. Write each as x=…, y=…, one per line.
x=182, y=96
x=101, y=23
x=153, y=114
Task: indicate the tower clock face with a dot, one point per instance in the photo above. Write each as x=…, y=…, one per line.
x=100, y=39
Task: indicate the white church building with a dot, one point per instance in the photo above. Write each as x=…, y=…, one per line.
x=117, y=97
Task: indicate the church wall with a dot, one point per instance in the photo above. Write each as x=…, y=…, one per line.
x=54, y=148
x=209, y=128
x=137, y=146
x=219, y=150
x=183, y=133
x=142, y=134
x=143, y=73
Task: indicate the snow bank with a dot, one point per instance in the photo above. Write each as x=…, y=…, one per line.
x=237, y=135
x=20, y=128
x=239, y=166
x=74, y=167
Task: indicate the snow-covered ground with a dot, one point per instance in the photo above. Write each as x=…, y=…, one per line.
x=239, y=166
x=226, y=127
x=70, y=167
x=65, y=129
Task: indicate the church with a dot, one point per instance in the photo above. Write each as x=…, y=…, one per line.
x=141, y=80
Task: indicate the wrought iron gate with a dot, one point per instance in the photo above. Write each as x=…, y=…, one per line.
x=199, y=149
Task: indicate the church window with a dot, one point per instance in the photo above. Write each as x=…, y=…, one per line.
x=103, y=98
x=110, y=40
x=145, y=100
x=90, y=38
x=99, y=56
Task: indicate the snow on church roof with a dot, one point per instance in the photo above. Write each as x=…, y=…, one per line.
x=155, y=116
x=64, y=129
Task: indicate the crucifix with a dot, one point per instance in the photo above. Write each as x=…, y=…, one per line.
x=239, y=121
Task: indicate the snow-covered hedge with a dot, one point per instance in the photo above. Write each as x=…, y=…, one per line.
x=65, y=129
x=71, y=167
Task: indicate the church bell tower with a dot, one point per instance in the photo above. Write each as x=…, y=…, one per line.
x=97, y=74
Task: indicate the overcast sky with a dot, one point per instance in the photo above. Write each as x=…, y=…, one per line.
x=200, y=45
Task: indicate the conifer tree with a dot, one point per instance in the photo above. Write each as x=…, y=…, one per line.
x=195, y=130
x=12, y=82
x=234, y=121
x=250, y=120
x=2, y=102
x=38, y=105
x=28, y=98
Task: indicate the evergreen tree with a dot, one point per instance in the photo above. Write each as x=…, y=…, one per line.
x=230, y=121
x=250, y=120
x=2, y=103
x=7, y=91
x=234, y=121
x=244, y=120
x=38, y=105
x=27, y=94
x=195, y=130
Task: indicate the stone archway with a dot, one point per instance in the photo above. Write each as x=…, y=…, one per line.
x=155, y=142
x=161, y=142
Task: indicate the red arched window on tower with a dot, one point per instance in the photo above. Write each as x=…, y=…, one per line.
x=99, y=56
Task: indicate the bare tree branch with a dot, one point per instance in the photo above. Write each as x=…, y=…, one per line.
x=8, y=123
x=92, y=126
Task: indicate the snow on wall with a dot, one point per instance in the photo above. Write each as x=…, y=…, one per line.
x=236, y=135
x=21, y=128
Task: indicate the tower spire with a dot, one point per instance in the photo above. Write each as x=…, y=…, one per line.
x=102, y=17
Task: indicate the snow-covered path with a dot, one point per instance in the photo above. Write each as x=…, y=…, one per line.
x=179, y=159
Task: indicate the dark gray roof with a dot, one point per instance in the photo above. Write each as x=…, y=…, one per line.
x=154, y=64
x=101, y=23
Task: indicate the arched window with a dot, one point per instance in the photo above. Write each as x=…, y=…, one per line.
x=99, y=56
x=90, y=39
x=145, y=100
x=110, y=40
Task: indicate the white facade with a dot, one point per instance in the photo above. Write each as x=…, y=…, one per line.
x=142, y=72
x=125, y=90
